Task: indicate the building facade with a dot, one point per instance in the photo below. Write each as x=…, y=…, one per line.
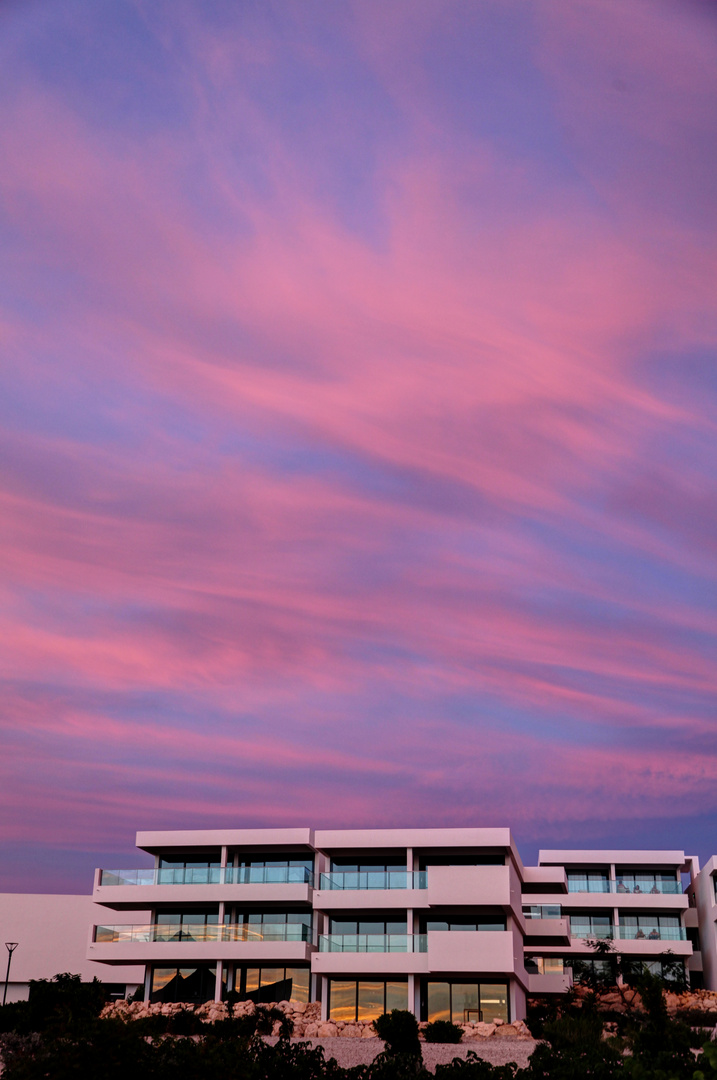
x=446, y=922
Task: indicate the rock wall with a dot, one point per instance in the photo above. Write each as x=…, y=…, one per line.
x=306, y=1019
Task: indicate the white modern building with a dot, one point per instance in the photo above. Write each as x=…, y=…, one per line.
x=446, y=922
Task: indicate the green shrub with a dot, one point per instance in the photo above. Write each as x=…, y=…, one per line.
x=399, y=1030
x=442, y=1031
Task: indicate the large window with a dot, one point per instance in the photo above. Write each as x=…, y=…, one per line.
x=595, y=881
x=186, y=926
x=653, y=882
x=468, y=919
x=475, y=857
x=189, y=870
x=192, y=984
x=272, y=983
x=590, y=926
x=373, y=864
x=270, y=925
x=375, y=924
x=544, y=965
x=651, y=927
x=365, y=999
x=462, y=1002
x=276, y=868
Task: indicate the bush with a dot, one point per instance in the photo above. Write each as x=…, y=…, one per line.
x=443, y=1031
x=399, y=1030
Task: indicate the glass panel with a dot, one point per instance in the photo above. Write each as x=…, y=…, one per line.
x=252, y=978
x=494, y=1002
x=396, y=995
x=160, y=978
x=300, y=978
x=271, y=975
x=439, y=1001
x=342, y=1000
x=370, y=1000
x=553, y=965
x=464, y=999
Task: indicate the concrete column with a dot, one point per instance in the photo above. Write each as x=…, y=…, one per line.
x=324, y=997
x=147, y=982
x=517, y=1000
x=218, y=981
x=412, y=994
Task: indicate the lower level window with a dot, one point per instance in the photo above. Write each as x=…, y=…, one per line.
x=365, y=999
x=462, y=1002
x=191, y=984
x=273, y=983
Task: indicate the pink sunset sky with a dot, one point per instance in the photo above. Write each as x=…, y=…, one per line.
x=358, y=415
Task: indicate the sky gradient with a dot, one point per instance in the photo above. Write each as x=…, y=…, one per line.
x=358, y=422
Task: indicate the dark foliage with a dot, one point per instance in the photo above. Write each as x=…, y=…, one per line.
x=442, y=1031
x=475, y=1068
x=399, y=1030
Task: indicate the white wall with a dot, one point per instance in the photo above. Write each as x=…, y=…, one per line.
x=52, y=932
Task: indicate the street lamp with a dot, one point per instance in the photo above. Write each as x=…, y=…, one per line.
x=10, y=946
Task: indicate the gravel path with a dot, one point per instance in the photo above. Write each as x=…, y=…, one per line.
x=348, y=1052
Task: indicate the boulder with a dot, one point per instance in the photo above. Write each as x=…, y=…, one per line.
x=368, y=1032
x=507, y=1030
x=311, y=1031
x=328, y=1031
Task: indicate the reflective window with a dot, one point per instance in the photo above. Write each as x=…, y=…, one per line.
x=477, y=919
x=250, y=980
x=544, y=965
x=373, y=865
x=365, y=999
x=462, y=1002
x=191, y=984
x=394, y=924
x=494, y=1002
x=588, y=881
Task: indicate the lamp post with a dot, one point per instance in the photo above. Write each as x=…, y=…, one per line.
x=10, y=946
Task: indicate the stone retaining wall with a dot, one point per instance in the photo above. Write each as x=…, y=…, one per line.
x=305, y=1018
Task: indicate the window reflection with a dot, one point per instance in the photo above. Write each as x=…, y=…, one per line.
x=365, y=999
x=461, y=1001
x=371, y=996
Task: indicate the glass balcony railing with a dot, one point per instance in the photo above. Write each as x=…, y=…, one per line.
x=592, y=932
x=210, y=875
x=648, y=888
x=210, y=932
x=380, y=943
x=380, y=879
x=652, y=933
x=269, y=875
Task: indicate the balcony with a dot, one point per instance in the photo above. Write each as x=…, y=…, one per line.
x=373, y=943
x=272, y=943
x=146, y=932
x=654, y=933
x=214, y=875
x=656, y=888
x=148, y=887
x=600, y=933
